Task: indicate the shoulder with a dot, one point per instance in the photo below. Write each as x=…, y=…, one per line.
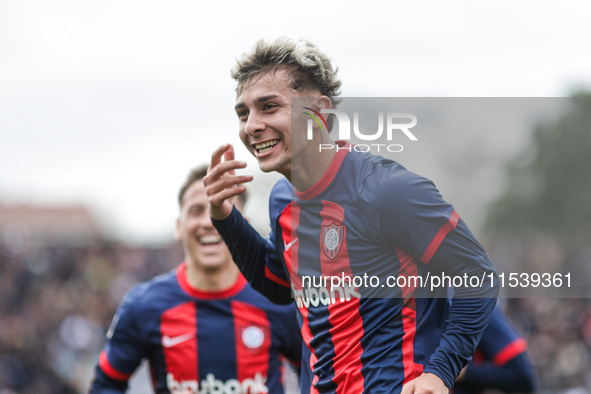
x=152, y=293
x=280, y=195
x=385, y=181
x=282, y=187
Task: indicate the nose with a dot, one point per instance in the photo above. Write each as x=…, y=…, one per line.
x=254, y=124
x=205, y=221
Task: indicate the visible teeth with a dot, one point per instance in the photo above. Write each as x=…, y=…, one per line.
x=210, y=239
x=261, y=147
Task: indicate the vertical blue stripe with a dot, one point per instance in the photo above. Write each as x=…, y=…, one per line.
x=215, y=336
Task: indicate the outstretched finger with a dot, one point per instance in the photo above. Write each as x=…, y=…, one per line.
x=216, y=156
x=229, y=153
x=225, y=168
x=218, y=198
x=226, y=182
x=229, y=156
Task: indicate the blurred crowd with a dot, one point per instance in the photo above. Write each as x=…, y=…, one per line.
x=558, y=330
x=57, y=302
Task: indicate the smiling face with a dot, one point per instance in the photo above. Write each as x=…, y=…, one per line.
x=264, y=109
x=204, y=248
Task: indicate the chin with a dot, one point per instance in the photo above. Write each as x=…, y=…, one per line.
x=209, y=262
x=266, y=168
x=212, y=267
x=270, y=166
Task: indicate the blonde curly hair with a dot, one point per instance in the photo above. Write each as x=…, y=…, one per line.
x=309, y=68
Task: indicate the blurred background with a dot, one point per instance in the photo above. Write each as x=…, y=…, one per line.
x=106, y=106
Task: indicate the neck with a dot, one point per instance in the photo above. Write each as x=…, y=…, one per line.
x=211, y=280
x=310, y=165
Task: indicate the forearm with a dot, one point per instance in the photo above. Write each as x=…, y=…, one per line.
x=471, y=308
x=515, y=376
x=466, y=322
x=250, y=253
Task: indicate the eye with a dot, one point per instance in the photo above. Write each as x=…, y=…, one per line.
x=196, y=211
x=269, y=106
x=242, y=115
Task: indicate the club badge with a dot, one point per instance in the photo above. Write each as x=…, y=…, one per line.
x=253, y=337
x=332, y=239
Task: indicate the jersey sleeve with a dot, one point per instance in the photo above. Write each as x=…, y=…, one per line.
x=279, y=199
x=258, y=258
x=500, y=342
x=408, y=210
x=124, y=349
x=411, y=214
x=505, y=364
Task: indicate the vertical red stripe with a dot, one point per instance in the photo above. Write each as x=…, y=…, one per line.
x=180, y=355
x=252, y=350
x=289, y=221
x=344, y=317
x=307, y=336
x=408, y=268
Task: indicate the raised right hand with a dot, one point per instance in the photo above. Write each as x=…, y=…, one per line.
x=221, y=184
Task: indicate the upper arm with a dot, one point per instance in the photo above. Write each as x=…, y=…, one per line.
x=279, y=213
x=409, y=211
x=412, y=214
x=124, y=349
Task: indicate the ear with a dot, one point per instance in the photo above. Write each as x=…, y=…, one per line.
x=178, y=235
x=323, y=102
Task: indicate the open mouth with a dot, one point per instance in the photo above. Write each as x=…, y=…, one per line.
x=265, y=147
x=209, y=240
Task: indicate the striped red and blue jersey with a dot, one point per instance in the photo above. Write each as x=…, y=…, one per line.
x=368, y=216
x=500, y=361
x=232, y=341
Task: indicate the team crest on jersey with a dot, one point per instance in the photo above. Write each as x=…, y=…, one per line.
x=253, y=337
x=332, y=239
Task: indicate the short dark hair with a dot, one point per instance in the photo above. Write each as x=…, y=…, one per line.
x=196, y=174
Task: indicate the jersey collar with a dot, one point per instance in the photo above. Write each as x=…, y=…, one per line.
x=207, y=295
x=329, y=175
